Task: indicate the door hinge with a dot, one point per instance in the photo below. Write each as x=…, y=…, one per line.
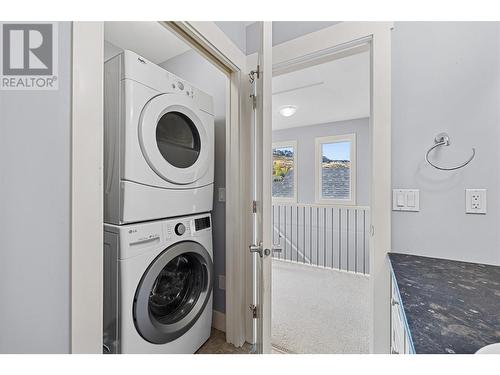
x=254, y=207
x=254, y=74
x=253, y=309
x=253, y=98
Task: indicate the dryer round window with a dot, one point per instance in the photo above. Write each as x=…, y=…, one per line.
x=178, y=139
x=174, y=140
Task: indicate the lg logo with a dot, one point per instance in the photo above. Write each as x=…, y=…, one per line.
x=29, y=56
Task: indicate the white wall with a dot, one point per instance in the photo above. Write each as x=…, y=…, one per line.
x=446, y=77
x=194, y=68
x=35, y=157
x=306, y=154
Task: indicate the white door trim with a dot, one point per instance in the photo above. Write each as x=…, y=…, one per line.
x=209, y=39
x=349, y=35
x=86, y=187
x=87, y=167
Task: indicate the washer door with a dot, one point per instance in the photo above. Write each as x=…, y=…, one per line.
x=173, y=292
x=173, y=139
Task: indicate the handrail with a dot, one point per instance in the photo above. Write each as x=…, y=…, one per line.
x=327, y=236
x=278, y=203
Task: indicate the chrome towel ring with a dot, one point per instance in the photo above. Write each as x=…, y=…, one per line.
x=443, y=139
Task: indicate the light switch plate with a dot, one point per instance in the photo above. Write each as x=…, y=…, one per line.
x=475, y=201
x=221, y=194
x=222, y=282
x=406, y=200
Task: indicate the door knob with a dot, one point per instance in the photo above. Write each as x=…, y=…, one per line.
x=261, y=251
x=257, y=249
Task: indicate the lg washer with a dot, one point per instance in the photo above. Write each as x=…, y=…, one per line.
x=158, y=280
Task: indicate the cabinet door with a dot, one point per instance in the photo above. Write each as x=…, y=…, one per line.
x=397, y=325
x=408, y=344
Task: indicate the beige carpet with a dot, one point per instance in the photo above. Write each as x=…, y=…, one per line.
x=319, y=310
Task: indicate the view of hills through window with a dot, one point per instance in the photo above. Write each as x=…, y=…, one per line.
x=336, y=170
x=283, y=170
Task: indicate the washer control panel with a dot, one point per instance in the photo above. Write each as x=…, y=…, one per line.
x=143, y=236
x=180, y=229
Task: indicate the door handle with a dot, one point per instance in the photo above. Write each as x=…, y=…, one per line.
x=257, y=249
x=261, y=251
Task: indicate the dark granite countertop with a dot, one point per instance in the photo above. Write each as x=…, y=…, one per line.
x=450, y=306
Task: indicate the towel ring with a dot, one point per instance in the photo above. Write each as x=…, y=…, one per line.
x=443, y=139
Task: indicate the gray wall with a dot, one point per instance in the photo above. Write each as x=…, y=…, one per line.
x=110, y=50
x=306, y=145
x=35, y=214
x=445, y=77
x=236, y=31
x=246, y=36
x=197, y=70
x=283, y=31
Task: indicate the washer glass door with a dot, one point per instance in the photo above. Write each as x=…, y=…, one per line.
x=176, y=289
x=173, y=292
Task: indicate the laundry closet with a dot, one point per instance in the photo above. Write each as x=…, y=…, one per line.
x=164, y=191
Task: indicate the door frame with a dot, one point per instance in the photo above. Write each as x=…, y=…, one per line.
x=342, y=37
x=86, y=187
x=208, y=39
x=87, y=167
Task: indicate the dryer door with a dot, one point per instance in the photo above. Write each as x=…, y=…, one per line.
x=173, y=292
x=174, y=140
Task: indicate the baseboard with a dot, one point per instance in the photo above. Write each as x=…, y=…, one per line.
x=219, y=320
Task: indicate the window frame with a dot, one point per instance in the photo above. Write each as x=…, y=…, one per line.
x=281, y=144
x=320, y=141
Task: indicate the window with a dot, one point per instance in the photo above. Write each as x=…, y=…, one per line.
x=285, y=171
x=336, y=169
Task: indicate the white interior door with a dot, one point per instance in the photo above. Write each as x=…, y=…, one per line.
x=262, y=167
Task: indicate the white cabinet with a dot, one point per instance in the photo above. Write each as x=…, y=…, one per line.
x=400, y=336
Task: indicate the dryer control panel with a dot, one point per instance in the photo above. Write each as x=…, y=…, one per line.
x=180, y=86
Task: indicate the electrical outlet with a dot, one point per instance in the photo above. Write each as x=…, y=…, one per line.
x=475, y=201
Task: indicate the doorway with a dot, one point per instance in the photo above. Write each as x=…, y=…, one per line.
x=321, y=205
x=297, y=54
x=159, y=45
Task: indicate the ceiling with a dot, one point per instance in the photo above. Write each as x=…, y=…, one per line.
x=149, y=39
x=333, y=91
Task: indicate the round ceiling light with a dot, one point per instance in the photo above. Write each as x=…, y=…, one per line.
x=288, y=110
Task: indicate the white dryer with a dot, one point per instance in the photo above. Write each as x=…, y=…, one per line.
x=158, y=143
x=158, y=279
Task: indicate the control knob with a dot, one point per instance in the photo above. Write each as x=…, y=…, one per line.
x=180, y=229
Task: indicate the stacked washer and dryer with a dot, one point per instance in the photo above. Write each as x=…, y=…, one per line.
x=158, y=194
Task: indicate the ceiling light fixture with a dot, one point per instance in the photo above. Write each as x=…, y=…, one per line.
x=288, y=110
